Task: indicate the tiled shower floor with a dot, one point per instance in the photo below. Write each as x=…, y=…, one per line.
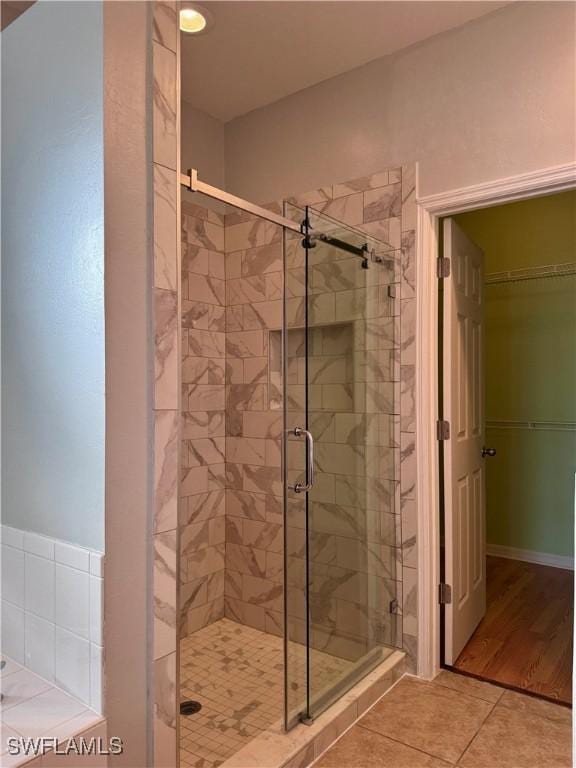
x=236, y=673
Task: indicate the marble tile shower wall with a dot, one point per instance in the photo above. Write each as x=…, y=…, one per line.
x=408, y=498
x=384, y=206
x=203, y=476
x=347, y=393
x=254, y=518
x=230, y=438
x=232, y=420
x=353, y=535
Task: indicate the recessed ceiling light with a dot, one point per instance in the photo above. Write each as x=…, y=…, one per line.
x=194, y=19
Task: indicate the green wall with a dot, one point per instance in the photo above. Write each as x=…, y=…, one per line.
x=530, y=372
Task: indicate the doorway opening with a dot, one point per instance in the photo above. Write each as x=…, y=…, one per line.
x=506, y=353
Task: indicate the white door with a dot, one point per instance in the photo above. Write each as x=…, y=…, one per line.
x=464, y=476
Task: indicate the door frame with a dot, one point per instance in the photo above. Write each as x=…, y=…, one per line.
x=430, y=210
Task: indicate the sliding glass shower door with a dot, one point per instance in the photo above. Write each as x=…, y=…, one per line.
x=341, y=523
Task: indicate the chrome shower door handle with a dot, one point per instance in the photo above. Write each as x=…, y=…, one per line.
x=304, y=487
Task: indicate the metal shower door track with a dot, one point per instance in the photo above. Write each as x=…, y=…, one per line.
x=191, y=181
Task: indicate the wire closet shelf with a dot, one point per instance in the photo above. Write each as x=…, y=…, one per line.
x=549, y=426
x=531, y=273
x=517, y=275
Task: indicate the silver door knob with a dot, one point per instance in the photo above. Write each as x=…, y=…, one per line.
x=488, y=452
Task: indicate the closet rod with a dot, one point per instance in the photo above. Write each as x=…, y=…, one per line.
x=552, y=426
x=531, y=273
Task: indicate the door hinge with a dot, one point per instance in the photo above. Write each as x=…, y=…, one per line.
x=443, y=267
x=392, y=291
x=394, y=606
x=443, y=430
x=444, y=594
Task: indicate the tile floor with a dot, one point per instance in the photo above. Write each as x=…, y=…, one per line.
x=237, y=674
x=456, y=721
x=33, y=707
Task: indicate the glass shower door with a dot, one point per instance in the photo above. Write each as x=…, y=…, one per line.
x=341, y=525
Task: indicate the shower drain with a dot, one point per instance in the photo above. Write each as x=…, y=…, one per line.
x=190, y=707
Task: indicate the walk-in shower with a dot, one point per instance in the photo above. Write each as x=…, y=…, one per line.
x=289, y=526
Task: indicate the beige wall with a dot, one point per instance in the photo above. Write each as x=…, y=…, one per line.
x=203, y=149
x=203, y=144
x=493, y=98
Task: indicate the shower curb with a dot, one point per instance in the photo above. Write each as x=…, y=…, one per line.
x=300, y=747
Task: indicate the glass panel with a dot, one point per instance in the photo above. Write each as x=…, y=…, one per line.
x=295, y=347
x=352, y=524
x=341, y=292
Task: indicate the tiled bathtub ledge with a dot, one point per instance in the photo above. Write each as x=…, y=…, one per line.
x=52, y=611
x=300, y=747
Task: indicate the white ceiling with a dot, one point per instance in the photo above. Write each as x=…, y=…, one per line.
x=259, y=52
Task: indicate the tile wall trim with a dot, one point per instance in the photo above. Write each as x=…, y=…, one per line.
x=166, y=302
x=52, y=611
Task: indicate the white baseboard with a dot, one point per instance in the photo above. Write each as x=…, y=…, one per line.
x=528, y=556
